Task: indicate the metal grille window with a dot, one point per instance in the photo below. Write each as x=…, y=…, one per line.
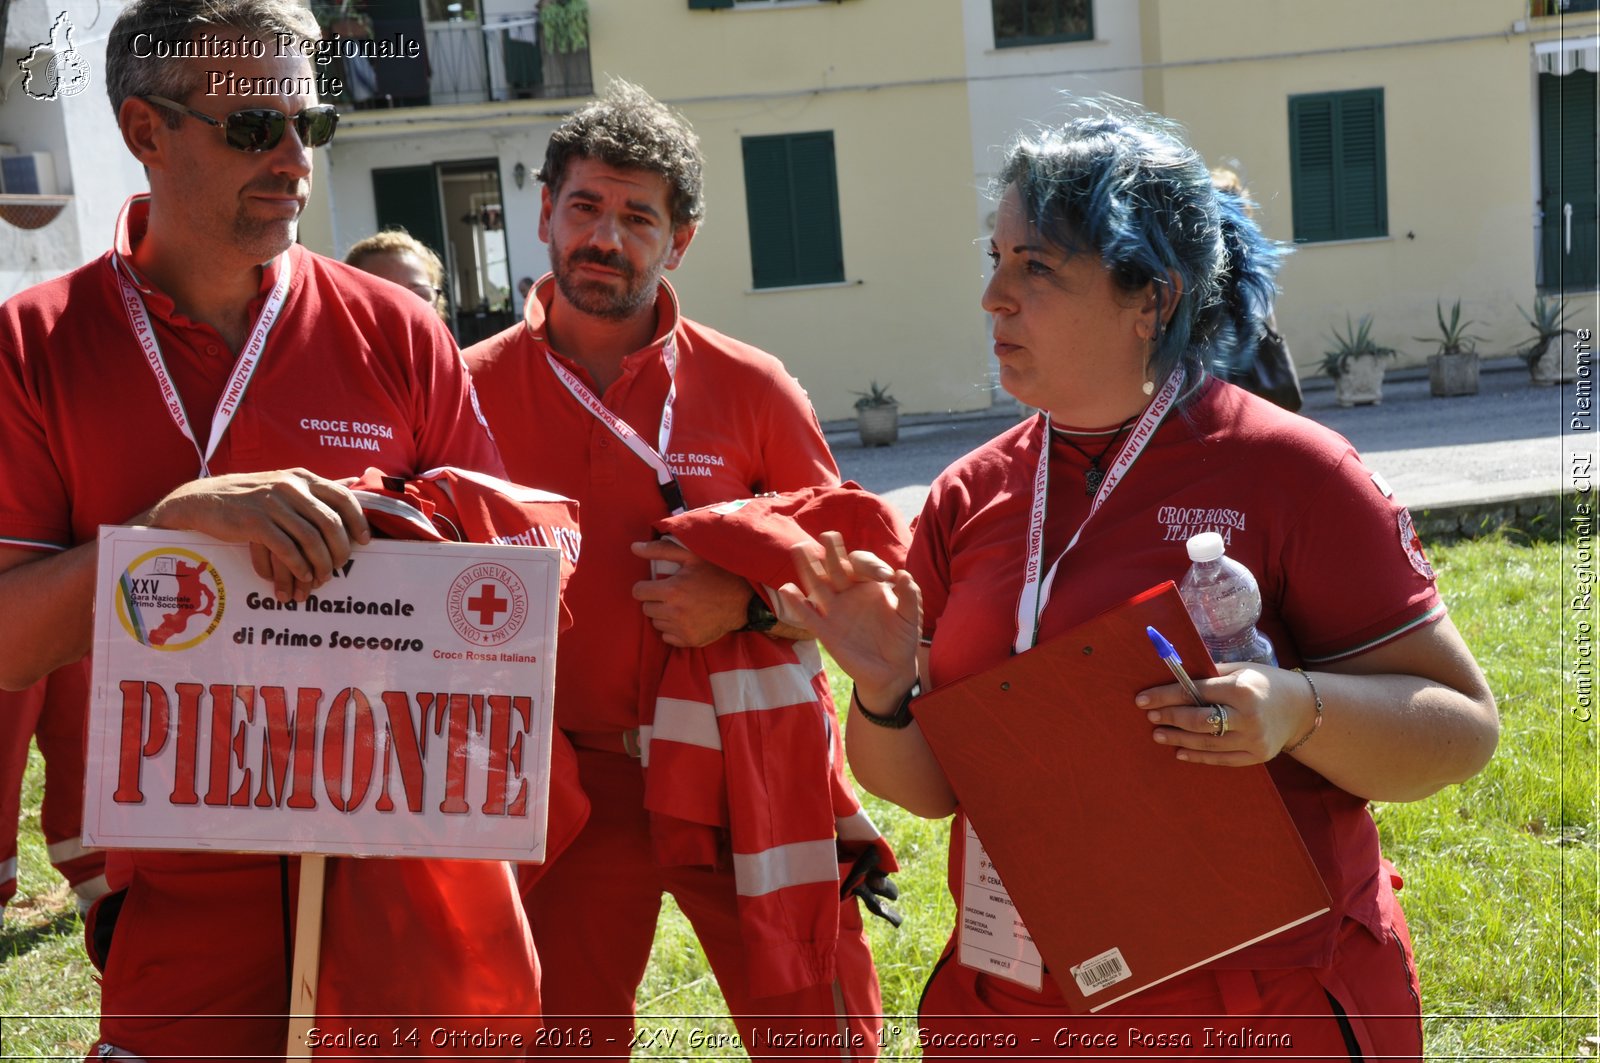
x=1023, y=22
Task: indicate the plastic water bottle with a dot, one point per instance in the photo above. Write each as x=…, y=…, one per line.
x=1224, y=602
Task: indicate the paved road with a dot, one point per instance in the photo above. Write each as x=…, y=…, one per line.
x=1505, y=442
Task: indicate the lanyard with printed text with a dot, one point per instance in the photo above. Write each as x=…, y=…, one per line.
x=665, y=481
x=244, y=368
x=1036, y=588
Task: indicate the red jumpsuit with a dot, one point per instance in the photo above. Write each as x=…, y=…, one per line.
x=740, y=426
x=52, y=713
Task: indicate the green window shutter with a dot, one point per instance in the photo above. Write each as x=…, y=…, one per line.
x=1311, y=167
x=819, y=256
x=408, y=198
x=1336, y=166
x=792, y=203
x=1363, y=199
x=707, y=5
x=767, y=202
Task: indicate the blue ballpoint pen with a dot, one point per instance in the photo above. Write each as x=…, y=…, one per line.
x=1173, y=661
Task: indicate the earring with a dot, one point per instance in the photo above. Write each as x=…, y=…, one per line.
x=1149, y=387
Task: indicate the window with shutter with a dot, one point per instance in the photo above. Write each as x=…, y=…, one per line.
x=792, y=200
x=1336, y=166
x=408, y=198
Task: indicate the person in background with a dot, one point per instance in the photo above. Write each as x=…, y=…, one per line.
x=205, y=294
x=606, y=393
x=1261, y=362
x=396, y=255
x=1114, y=263
x=52, y=713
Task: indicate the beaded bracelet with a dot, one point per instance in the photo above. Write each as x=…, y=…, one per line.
x=897, y=720
x=1316, y=723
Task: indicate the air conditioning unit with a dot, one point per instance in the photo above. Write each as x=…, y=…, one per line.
x=28, y=173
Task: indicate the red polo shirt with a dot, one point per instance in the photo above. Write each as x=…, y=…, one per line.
x=741, y=426
x=350, y=378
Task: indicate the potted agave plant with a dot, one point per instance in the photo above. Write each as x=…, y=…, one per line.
x=1453, y=369
x=877, y=416
x=1549, y=360
x=1356, y=364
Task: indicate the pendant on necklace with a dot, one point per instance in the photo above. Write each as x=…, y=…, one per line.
x=1091, y=479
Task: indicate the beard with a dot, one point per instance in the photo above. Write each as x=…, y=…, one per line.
x=599, y=299
x=264, y=238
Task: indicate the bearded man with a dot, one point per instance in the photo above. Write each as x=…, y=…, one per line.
x=606, y=394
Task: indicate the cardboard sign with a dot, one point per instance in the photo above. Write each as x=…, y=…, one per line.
x=404, y=709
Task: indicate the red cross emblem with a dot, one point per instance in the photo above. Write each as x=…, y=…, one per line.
x=487, y=605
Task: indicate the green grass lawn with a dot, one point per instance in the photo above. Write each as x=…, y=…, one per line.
x=1501, y=885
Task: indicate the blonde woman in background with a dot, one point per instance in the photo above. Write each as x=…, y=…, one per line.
x=396, y=255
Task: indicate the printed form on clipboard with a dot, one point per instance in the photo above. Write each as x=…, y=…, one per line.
x=1097, y=845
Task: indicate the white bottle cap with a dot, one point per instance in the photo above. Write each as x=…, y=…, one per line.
x=1207, y=546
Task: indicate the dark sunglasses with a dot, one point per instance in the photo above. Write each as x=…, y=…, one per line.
x=260, y=128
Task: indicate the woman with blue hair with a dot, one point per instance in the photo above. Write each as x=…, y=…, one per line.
x=1120, y=280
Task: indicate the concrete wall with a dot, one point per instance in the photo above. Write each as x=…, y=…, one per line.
x=81, y=134
x=345, y=174
x=1461, y=146
x=1015, y=89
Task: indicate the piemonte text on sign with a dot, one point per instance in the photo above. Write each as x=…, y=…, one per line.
x=402, y=710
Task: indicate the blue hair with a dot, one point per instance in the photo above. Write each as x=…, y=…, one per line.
x=1128, y=189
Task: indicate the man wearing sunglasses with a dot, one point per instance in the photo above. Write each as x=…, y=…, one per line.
x=193, y=378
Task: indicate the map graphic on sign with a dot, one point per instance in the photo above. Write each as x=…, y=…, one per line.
x=170, y=599
x=54, y=69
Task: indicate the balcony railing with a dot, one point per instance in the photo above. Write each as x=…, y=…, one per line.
x=464, y=61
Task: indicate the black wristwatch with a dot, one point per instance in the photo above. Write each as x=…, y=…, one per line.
x=897, y=720
x=757, y=617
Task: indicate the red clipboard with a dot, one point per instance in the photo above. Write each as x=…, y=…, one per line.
x=1128, y=866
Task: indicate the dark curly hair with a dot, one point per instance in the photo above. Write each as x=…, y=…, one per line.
x=632, y=130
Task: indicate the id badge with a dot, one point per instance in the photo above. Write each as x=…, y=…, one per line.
x=992, y=938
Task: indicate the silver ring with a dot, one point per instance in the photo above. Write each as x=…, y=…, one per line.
x=1218, y=721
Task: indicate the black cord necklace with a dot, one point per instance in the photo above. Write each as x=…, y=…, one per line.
x=1093, y=475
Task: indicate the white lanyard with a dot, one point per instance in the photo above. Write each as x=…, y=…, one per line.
x=244, y=368
x=668, y=483
x=1036, y=589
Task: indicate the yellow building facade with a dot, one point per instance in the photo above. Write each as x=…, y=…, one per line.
x=1471, y=203
x=875, y=86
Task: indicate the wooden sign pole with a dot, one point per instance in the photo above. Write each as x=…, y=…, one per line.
x=307, y=955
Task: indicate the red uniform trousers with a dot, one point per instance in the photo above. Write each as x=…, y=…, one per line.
x=594, y=911
x=197, y=965
x=53, y=713
x=1240, y=1015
